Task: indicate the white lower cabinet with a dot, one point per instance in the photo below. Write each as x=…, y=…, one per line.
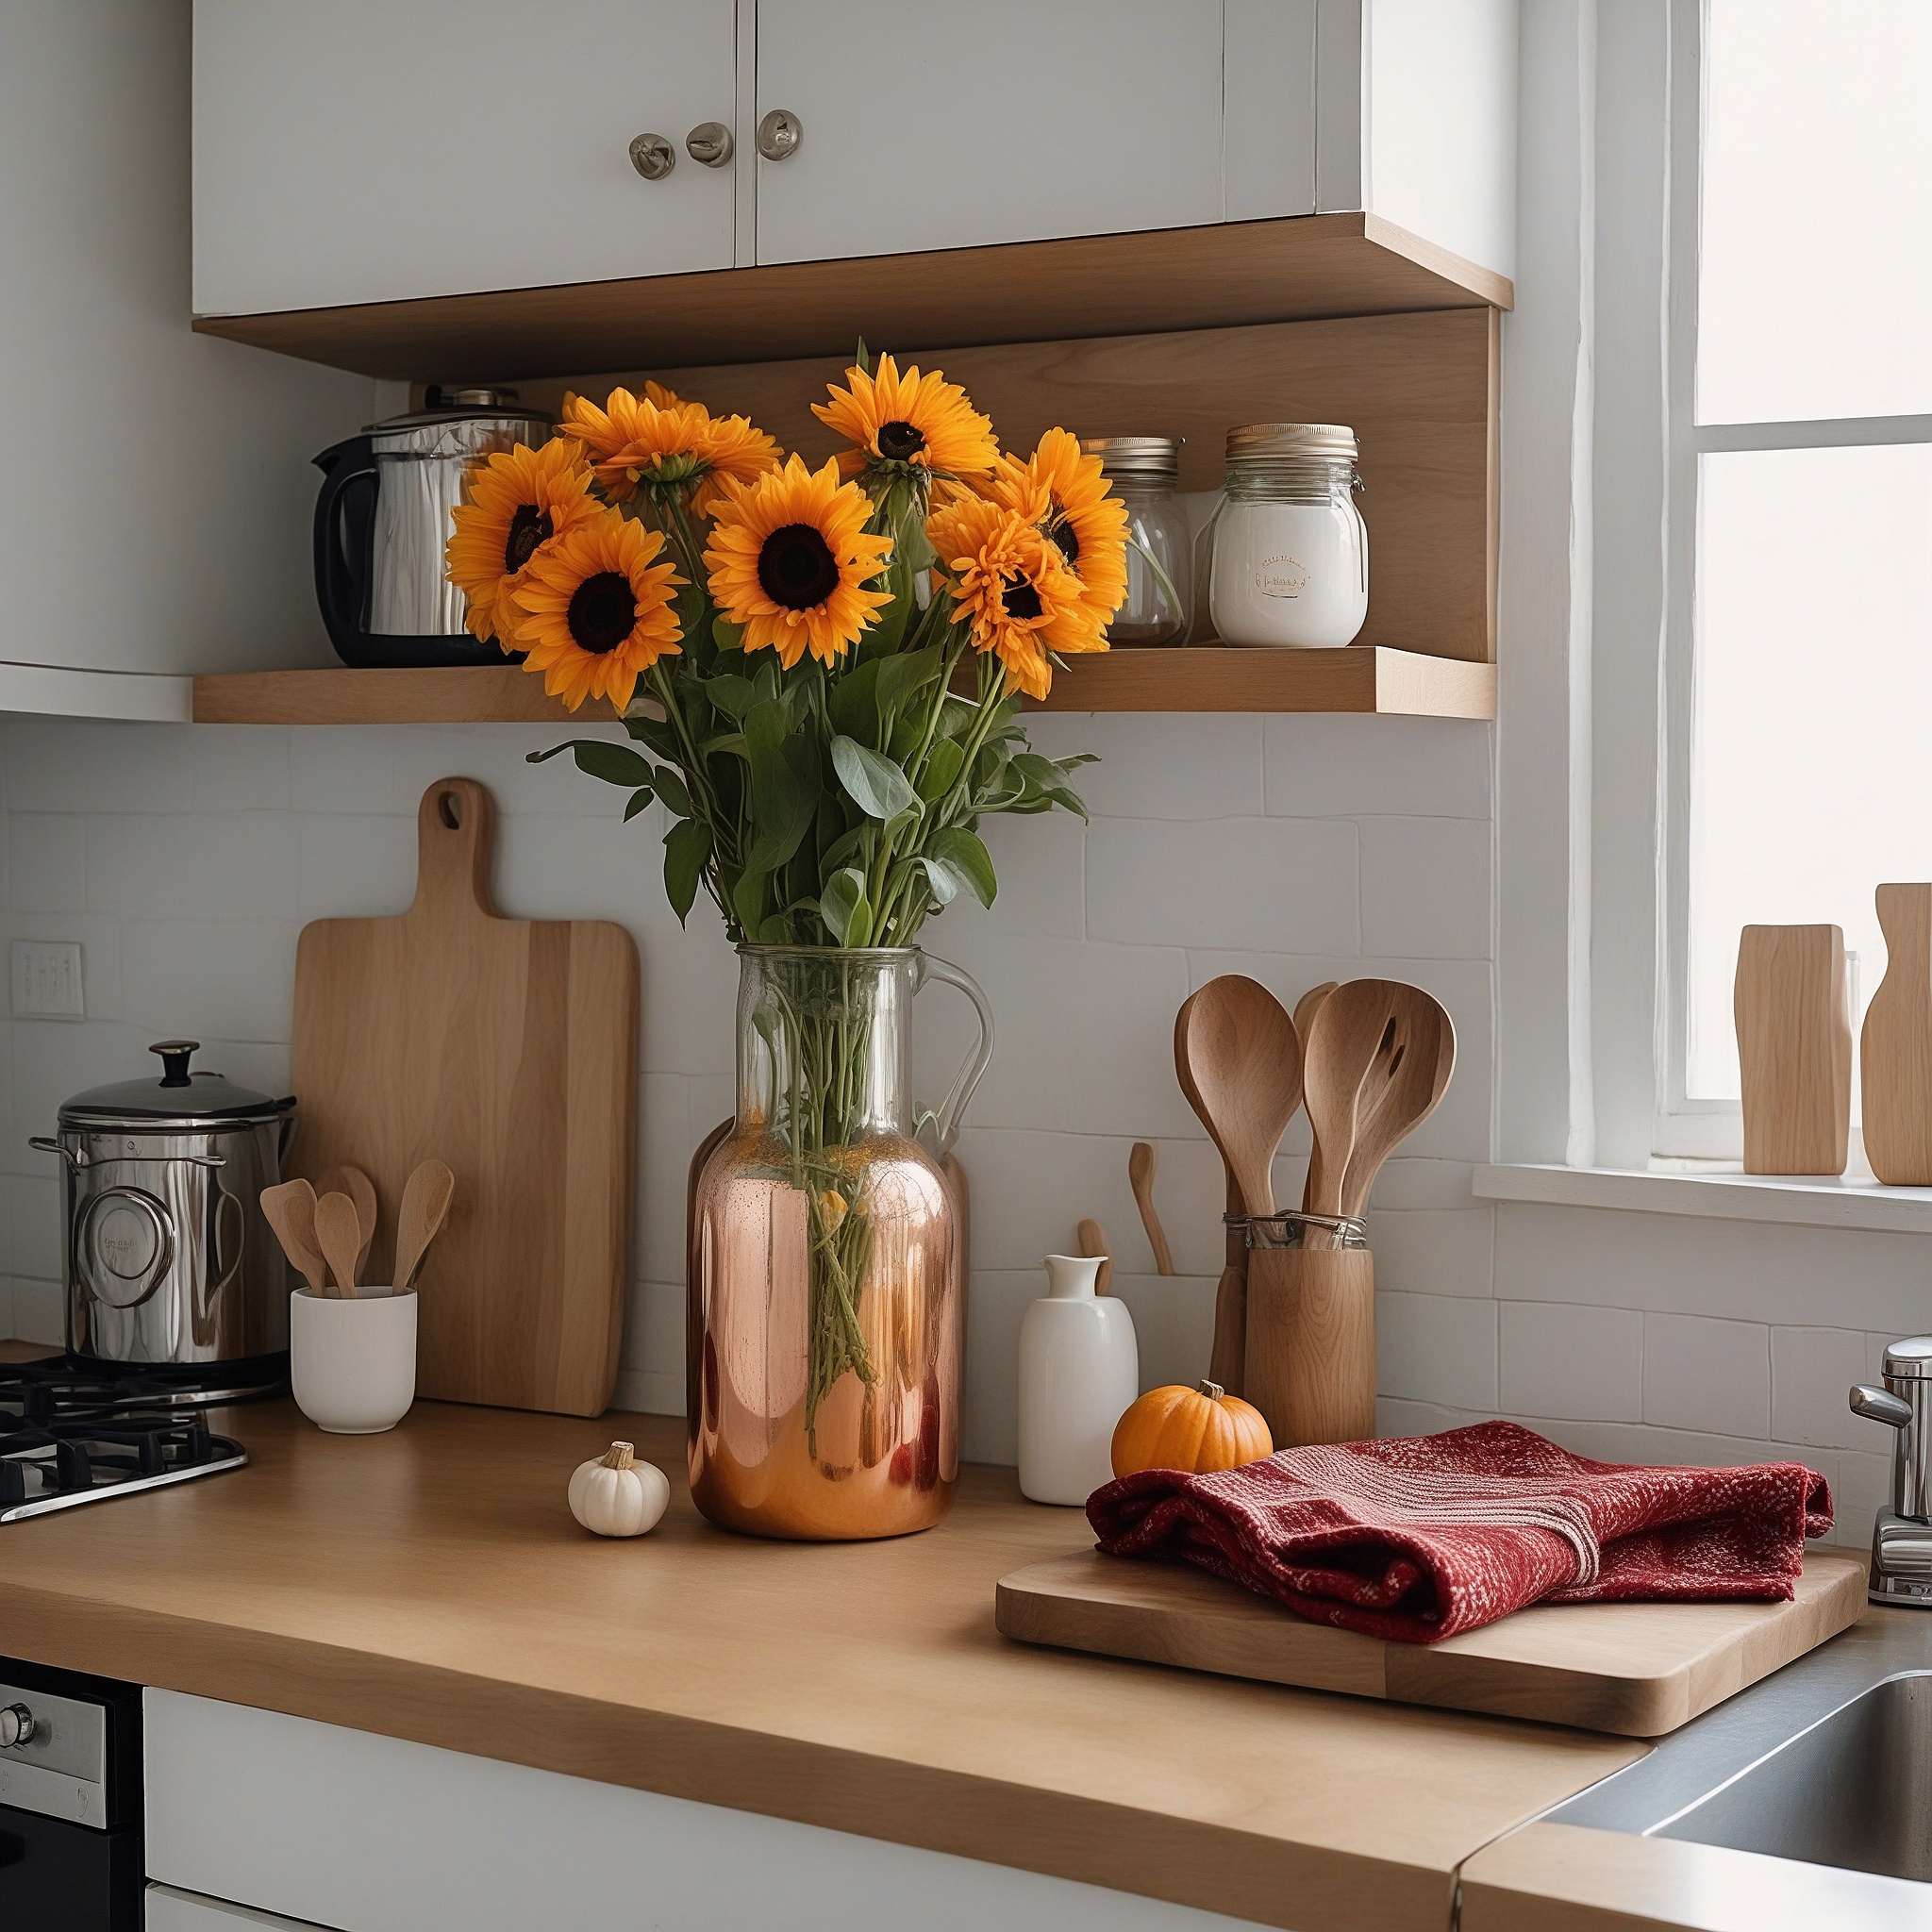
x=358, y=1833
x=169, y=1910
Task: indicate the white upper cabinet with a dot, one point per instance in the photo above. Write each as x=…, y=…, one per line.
x=355, y=151
x=955, y=123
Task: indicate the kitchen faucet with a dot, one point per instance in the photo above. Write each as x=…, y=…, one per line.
x=1902, y=1535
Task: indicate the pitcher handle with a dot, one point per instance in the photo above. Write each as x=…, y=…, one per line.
x=952, y=1109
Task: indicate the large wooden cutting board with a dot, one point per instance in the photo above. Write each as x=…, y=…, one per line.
x=1639, y=1670
x=509, y=1048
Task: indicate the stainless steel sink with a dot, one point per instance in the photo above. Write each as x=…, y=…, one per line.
x=1828, y=1761
x=1854, y=1790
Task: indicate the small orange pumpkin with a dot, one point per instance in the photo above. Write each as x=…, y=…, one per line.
x=1199, y=1430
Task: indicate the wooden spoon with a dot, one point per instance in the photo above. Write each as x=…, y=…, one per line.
x=1143, y=1164
x=1308, y=1007
x=340, y=1235
x=1240, y=1062
x=1350, y=1029
x=353, y=1182
x=1402, y=1089
x=426, y=1207
x=1094, y=1242
x=291, y=1211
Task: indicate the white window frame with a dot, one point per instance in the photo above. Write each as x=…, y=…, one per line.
x=1687, y=1127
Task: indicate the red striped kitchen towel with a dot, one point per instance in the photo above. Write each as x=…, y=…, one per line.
x=1420, y=1538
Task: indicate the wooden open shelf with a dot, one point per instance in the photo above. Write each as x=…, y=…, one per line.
x=1360, y=679
x=1216, y=276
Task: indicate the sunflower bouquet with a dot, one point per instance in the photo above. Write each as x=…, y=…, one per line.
x=819, y=672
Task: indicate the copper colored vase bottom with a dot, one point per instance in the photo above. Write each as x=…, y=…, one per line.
x=878, y=1458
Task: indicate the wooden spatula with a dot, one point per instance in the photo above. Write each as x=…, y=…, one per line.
x=353, y=1182
x=426, y=1207
x=1351, y=1029
x=1240, y=1063
x=291, y=1211
x=340, y=1236
x=1403, y=1088
x=1143, y=1163
x=1093, y=1243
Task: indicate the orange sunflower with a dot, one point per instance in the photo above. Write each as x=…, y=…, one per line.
x=915, y=419
x=519, y=501
x=596, y=609
x=789, y=561
x=666, y=443
x=1013, y=585
x=1084, y=520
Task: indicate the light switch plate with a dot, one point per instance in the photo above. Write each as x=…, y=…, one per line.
x=46, y=979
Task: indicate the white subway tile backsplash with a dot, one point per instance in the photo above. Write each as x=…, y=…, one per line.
x=1436, y=1347
x=66, y=764
x=1566, y=1362
x=46, y=862
x=356, y=867
x=209, y=978
x=1433, y=1251
x=347, y=769
x=1344, y=767
x=1425, y=887
x=31, y=1213
x=1161, y=765
x=204, y=866
x=1263, y=884
x=1705, y=1376
x=40, y=1312
x=241, y=768
x=1040, y=863
x=1812, y=1370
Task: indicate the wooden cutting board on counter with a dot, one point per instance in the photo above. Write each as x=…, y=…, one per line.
x=509, y=1048
x=1637, y=1670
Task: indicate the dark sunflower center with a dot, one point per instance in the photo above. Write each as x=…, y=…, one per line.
x=1060, y=531
x=900, y=441
x=603, y=610
x=796, y=567
x=1020, y=598
x=528, y=528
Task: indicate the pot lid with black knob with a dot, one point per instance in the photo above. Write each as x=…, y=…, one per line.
x=179, y=1095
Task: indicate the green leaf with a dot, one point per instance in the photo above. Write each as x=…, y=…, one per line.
x=864, y=356
x=731, y=696
x=842, y=848
x=855, y=703
x=749, y=900
x=875, y=784
x=687, y=846
x=841, y=902
x=638, y=800
x=672, y=791
x=947, y=881
x=858, y=927
x=941, y=769
x=775, y=931
x=616, y=764
x=963, y=852
x=783, y=807
x=903, y=677
x=726, y=635
x=659, y=734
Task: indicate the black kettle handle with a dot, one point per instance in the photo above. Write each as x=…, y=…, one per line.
x=344, y=538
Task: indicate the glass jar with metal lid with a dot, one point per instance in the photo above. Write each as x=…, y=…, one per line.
x=1289, y=552
x=1143, y=471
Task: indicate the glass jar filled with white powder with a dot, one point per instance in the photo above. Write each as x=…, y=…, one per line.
x=1290, y=550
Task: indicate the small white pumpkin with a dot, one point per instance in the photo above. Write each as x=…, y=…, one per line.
x=618, y=1495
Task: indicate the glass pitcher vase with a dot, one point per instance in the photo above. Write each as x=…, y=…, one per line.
x=827, y=1274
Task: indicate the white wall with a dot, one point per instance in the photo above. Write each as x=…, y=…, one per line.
x=155, y=509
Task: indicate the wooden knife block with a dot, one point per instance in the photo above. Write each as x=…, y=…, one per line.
x=1311, y=1343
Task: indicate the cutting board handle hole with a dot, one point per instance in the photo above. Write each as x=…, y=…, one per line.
x=449, y=809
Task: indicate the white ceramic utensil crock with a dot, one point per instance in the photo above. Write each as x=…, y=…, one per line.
x=353, y=1360
x=1080, y=1369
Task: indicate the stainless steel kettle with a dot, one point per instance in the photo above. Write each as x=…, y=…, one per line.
x=383, y=518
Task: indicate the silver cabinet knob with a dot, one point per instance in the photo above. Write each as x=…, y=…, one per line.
x=17, y=1726
x=779, y=134
x=653, y=156
x=710, y=144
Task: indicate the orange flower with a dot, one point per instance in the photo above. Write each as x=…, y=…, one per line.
x=924, y=420
x=666, y=443
x=597, y=610
x=520, y=500
x=1084, y=520
x=1013, y=585
x=789, y=561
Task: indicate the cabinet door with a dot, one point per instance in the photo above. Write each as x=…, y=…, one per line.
x=169, y=1910
x=945, y=126
x=374, y=150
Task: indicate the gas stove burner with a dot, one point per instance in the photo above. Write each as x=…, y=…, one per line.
x=73, y=1431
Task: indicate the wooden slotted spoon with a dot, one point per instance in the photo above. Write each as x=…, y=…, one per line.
x=1351, y=1029
x=1403, y=1088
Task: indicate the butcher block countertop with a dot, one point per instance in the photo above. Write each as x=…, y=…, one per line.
x=429, y=1584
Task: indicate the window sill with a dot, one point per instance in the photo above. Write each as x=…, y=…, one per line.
x=1718, y=1193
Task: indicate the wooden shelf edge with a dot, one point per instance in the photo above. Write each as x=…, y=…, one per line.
x=1217, y=274
x=1362, y=680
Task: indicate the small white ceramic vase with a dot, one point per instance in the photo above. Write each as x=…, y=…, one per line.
x=1080, y=1369
x=352, y=1361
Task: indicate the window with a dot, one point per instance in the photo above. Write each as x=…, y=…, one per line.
x=1799, y=621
